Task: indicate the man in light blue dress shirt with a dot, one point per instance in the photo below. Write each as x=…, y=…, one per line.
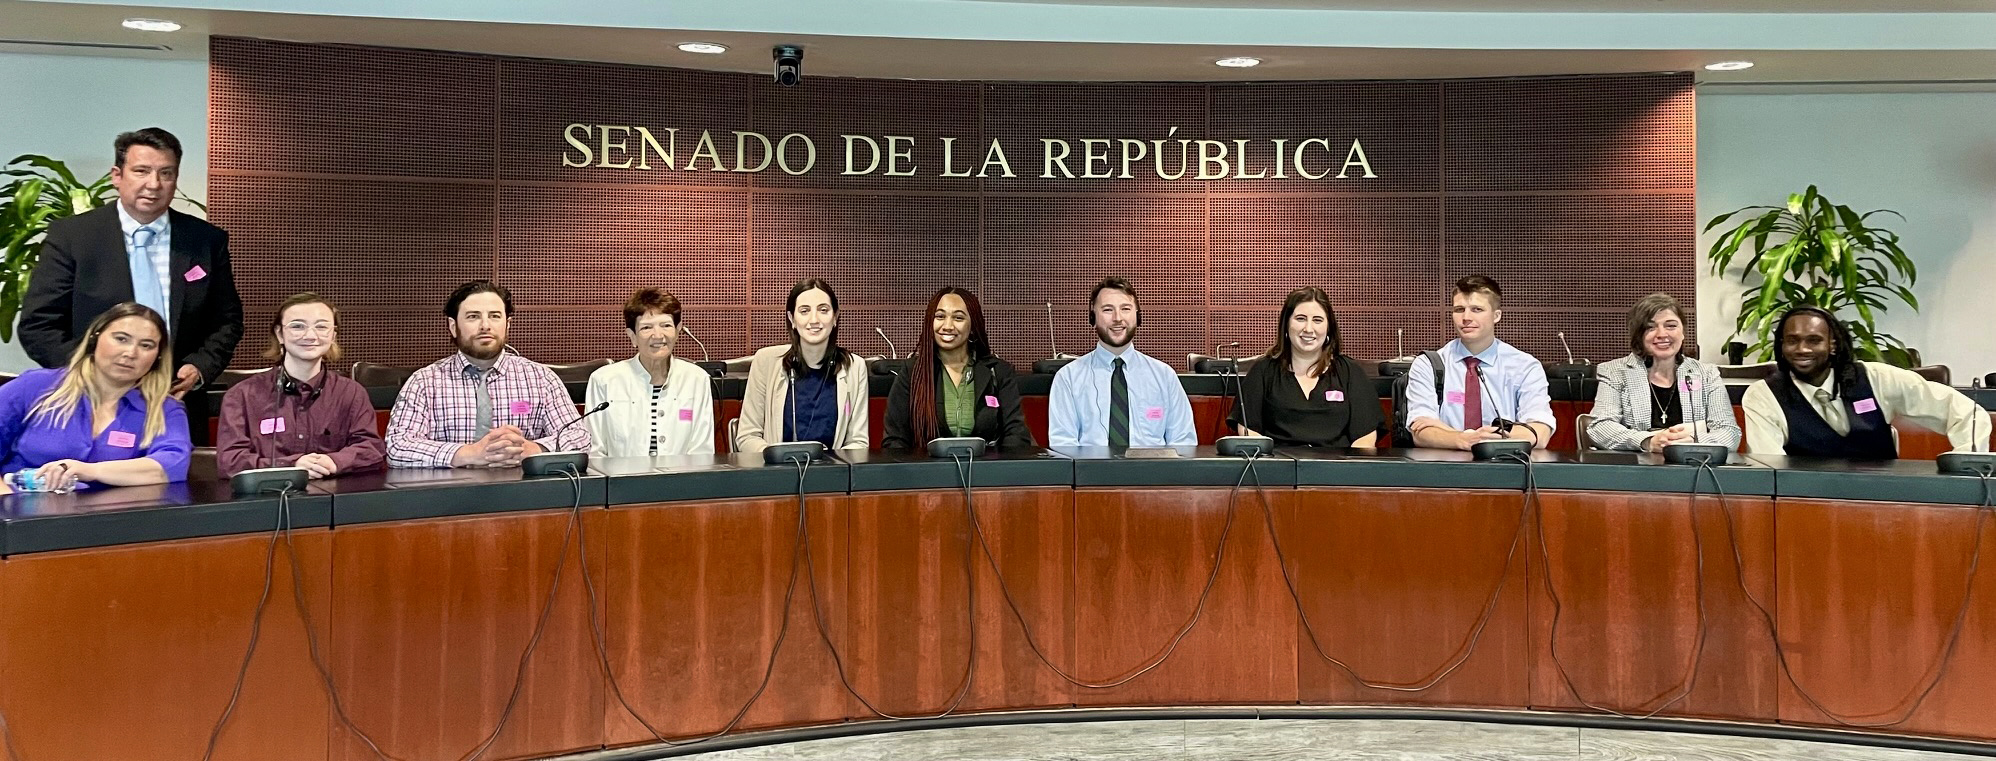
x=1486, y=380
x=1116, y=396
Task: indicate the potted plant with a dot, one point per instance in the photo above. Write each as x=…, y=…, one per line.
x=1812, y=251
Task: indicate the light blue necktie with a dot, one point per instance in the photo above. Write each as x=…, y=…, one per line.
x=146, y=287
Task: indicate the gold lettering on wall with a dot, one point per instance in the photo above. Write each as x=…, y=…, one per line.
x=609, y=146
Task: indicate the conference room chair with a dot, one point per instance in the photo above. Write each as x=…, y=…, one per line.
x=371, y=375
x=1936, y=373
x=578, y=372
x=1751, y=372
x=233, y=377
x=1580, y=434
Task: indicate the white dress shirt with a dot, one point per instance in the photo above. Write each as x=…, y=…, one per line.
x=646, y=420
x=1514, y=387
x=1901, y=394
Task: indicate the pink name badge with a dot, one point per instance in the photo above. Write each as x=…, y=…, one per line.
x=1691, y=384
x=686, y=414
x=521, y=407
x=1334, y=396
x=271, y=425
x=121, y=439
x=1862, y=406
x=991, y=401
x=1456, y=397
x=1154, y=413
x=196, y=273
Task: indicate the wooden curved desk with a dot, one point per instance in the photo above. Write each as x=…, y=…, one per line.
x=124, y=615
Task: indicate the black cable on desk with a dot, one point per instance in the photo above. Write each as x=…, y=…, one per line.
x=256, y=622
x=1448, y=667
x=1940, y=666
x=1157, y=659
x=1684, y=688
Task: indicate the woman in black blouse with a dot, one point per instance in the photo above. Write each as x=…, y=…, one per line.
x=1305, y=391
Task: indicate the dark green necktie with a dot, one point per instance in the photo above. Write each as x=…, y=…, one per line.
x=1119, y=407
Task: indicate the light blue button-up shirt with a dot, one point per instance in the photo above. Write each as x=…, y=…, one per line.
x=1078, y=406
x=1514, y=387
x=152, y=262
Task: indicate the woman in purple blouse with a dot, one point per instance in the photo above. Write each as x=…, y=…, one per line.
x=106, y=418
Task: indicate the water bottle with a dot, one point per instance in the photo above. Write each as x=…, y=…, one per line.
x=27, y=479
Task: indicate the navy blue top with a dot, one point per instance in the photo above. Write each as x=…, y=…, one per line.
x=32, y=443
x=814, y=414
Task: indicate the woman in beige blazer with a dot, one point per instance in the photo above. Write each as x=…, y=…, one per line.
x=809, y=389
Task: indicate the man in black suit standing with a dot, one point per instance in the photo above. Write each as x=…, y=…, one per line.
x=138, y=249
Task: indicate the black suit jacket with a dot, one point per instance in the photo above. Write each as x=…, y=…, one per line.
x=85, y=270
x=1005, y=424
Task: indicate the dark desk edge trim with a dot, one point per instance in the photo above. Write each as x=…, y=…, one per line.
x=1487, y=716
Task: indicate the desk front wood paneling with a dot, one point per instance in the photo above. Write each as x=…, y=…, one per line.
x=694, y=606
x=1628, y=575
x=1867, y=595
x=131, y=652
x=430, y=619
x=1395, y=581
x=1142, y=557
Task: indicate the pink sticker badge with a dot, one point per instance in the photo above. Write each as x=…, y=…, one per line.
x=121, y=439
x=521, y=407
x=686, y=414
x=1334, y=395
x=196, y=273
x=1456, y=397
x=1862, y=406
x=1691, y=384
x=1154, y=413
x=271, y=425
x=991, y=401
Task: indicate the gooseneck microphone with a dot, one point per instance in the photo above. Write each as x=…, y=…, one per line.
x=558, y=462
x=1052, y=342
x=696, y=342
x=1568, y=348
x=892, y=353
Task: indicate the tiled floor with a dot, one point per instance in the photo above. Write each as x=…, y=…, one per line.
x=1298, y=739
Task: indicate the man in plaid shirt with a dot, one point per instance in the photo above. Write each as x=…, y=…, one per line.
x=481, y=407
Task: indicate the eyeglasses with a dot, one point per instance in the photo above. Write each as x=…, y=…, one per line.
x=302, y=329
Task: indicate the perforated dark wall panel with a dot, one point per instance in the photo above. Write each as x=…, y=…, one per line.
x=386, y=177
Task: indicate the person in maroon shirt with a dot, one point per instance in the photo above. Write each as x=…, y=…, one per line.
x=300, y=413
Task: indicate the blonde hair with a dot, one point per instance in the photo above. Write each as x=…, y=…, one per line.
x=59, y=405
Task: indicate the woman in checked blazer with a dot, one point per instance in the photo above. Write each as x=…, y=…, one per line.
x=1656, y=396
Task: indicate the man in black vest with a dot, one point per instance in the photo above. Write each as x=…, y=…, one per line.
x=137, y=249
x=1822, y=402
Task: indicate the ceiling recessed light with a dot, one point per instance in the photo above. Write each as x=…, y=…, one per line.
x=708, y=48
x=1729, y=66
x=1238, y=62
x=151, y=25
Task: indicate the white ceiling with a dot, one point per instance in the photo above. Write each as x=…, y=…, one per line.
x=1573, y=6
x=959, y=58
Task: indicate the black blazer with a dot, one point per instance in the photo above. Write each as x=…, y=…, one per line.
x=84, y=271
x=1005, y=424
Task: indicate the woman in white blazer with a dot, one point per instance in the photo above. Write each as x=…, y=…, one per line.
x=1656, y=396
x=659, y=404
x=809, y=389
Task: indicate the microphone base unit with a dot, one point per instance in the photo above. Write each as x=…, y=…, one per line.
x=792, y=452
x=715, y=368
x=1216, y=366
x=887, y=366
x=1565, y=370
x=1500, y=449
x=1696, y=454
x=555, y=463
x=1967, y=463
x=1051, y=366
x=957, y=446
x=1245, y=446
x=269, y=481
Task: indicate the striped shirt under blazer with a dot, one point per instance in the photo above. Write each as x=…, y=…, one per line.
x=1622, y=405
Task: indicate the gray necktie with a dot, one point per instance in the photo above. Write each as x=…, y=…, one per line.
x=484, y=397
